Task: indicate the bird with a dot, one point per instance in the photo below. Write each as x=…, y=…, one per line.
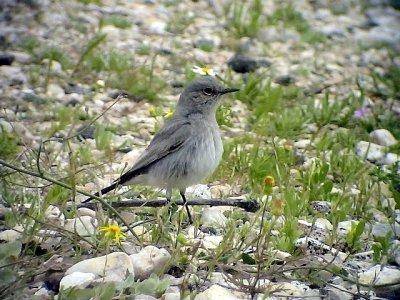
x=188, y=147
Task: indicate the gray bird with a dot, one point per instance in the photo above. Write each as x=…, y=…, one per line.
x=187, y=149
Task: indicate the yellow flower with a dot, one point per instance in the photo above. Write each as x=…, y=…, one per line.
x=277, y=206
x=113, y=232
x=204, y=71
x=269, y=181
x=169, y=114
x=152, y=112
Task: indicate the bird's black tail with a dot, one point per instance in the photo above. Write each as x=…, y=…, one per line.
x=107, y=189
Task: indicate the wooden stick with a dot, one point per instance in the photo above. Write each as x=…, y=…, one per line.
x=247, y=205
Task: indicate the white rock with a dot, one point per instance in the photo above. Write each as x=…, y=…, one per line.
x=345, y=227
x=216, y=292
x=149, y=260
x=113, y=266
x=11, y=235
x=389, y=159
x=211, y=241
x=323, y=224
x=173, y=296
x=84, y=226
x=382, y=137
x=55, y=91
x=84, y=211
x=53, y=215
x=6, y=126
x=42, y=293
x=158, y=27
x=213, y=217
x=301, y=144
x=370, y=151
x=76, y=279
x=378, y=275
x=201, y=191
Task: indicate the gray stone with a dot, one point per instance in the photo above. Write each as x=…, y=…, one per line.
x=149, y=260
x=370, y=151
x=216, y=292
x=76, y=279
x=84, y=226
x=110, y=267
x=379, y=275
x=383, y=137
x=382, y=229
x=213, y=217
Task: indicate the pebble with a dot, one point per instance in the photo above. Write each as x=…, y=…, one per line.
x=53, y=215
x=14, y=75
x=302, y=144
x=201, y=191
x=370, y=151
x=77, y=279
x=83, y=226
x=382, y=137
x=216, y=292
x=55, y=91
x=211, y=241
x=6, y=59
x=149, y=260
x=379, y=275
x=110, y=267
x=213, y=217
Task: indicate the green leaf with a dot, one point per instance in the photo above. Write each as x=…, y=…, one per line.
x=7, y=276
x=247, y=259
x=9, y=252
x=93, y=44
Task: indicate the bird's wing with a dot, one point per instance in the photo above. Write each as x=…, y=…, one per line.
x=169, y=139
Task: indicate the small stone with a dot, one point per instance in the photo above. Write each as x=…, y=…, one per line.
x=211, y=241
x=55, y=91
x=242, y=64
x=76, y=279
x=216, y=292
x=10, y=235
x=389, y=159
x=285, y=80
x=86, y=131
x=53, y=215
x=382, y=229
x=383, y=137
x=30, y=96
x=201, y=191
x=158, y=27
x=370, y=151
x=84, y=226
x=149, y=260
x=302, y=144
x=6, y=59
x=213, y=217
x=43, y=293
x=84, y=211
x=144, y=297
x=14, y=75
x=205, y=43
x=323, y=207
x=113, y=266
x=379, y=275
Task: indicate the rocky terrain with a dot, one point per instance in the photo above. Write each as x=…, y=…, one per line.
x=312, y=138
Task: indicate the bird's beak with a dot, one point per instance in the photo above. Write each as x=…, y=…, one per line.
x=229, y=90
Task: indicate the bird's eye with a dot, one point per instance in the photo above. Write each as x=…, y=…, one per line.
x=208, y=91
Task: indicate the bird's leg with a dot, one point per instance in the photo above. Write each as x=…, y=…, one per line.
x=182, y=192
x=168, y=196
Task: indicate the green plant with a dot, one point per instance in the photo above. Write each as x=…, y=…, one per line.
x=245, y=19
x=8, y=144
